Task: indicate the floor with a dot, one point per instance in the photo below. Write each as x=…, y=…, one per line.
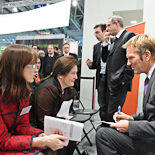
x=84, y=145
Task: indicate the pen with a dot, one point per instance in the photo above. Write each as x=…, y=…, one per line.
x=118, y=110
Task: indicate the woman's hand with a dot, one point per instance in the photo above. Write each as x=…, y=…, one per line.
x=55, y=142
x=66, y=118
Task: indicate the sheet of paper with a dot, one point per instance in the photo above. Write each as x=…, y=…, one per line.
x=73, y=130
x=25, y=110
x=105, y=122
x=64, y=109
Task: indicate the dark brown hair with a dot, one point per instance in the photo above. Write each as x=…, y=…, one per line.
x=63, y=65
x=102, y=26
x=12, y=62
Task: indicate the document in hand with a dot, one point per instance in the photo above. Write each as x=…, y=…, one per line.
x=73, y=130
x=105, y=122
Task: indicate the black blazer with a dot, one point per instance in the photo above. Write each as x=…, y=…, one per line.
x=143, y=126
x=74, y=55
x=96, y=62
x=117, y=70
x=44, y=61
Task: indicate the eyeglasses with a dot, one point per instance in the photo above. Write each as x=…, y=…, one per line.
x=108, y=25
x=31, y=66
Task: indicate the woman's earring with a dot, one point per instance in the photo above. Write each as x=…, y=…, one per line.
x=60, y=77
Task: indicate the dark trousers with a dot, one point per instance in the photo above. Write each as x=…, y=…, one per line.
x=101, y=98
x=115, y=97
x=69, y=150
x=111, y=142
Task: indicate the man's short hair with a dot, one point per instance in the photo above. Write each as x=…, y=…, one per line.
x=102, y=26
x=41, y=52
x=118, y=19
x=37, y=46
x=142, y=43
x=56, y=48
x=66, y=44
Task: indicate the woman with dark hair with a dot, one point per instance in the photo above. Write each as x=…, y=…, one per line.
x=52, y=91
x=17, y=136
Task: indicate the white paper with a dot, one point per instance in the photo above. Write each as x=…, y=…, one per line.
x=25, y=110
x=73, y=130
x=64, y=109
x=105, y=122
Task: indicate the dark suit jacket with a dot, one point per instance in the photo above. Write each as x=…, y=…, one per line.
x=74, y=55
x=96, y=62
x=44, y=62
x=117, y=70
x=143, y=126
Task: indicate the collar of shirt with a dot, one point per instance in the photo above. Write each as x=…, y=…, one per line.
x=36, y=74
x=149, y=74
x=66, y=54
x=51, y=55
x=119, y=33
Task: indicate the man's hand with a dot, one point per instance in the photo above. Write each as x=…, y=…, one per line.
x=89, y=62
x=121, y=116
x=106, y=37
x=122, y=126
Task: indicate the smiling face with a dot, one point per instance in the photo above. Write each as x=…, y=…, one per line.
x=69, y=79
x=137, y=64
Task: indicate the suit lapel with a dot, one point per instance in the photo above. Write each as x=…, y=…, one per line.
x=98, y=53
x=114, y=44
x=148, y=89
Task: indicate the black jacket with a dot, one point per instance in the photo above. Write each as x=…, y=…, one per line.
x=44, y=62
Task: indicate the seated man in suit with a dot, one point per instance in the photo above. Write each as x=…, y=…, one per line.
x=139, y=137
x=66, y=49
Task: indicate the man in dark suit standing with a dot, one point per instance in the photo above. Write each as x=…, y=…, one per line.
x=49, y=60
x=118, y=74
x=66, y=48
x=100, y=67
x=139, y=137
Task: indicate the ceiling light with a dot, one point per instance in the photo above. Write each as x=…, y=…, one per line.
x=74, y=3
x=133, y=22
x=15, y=9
